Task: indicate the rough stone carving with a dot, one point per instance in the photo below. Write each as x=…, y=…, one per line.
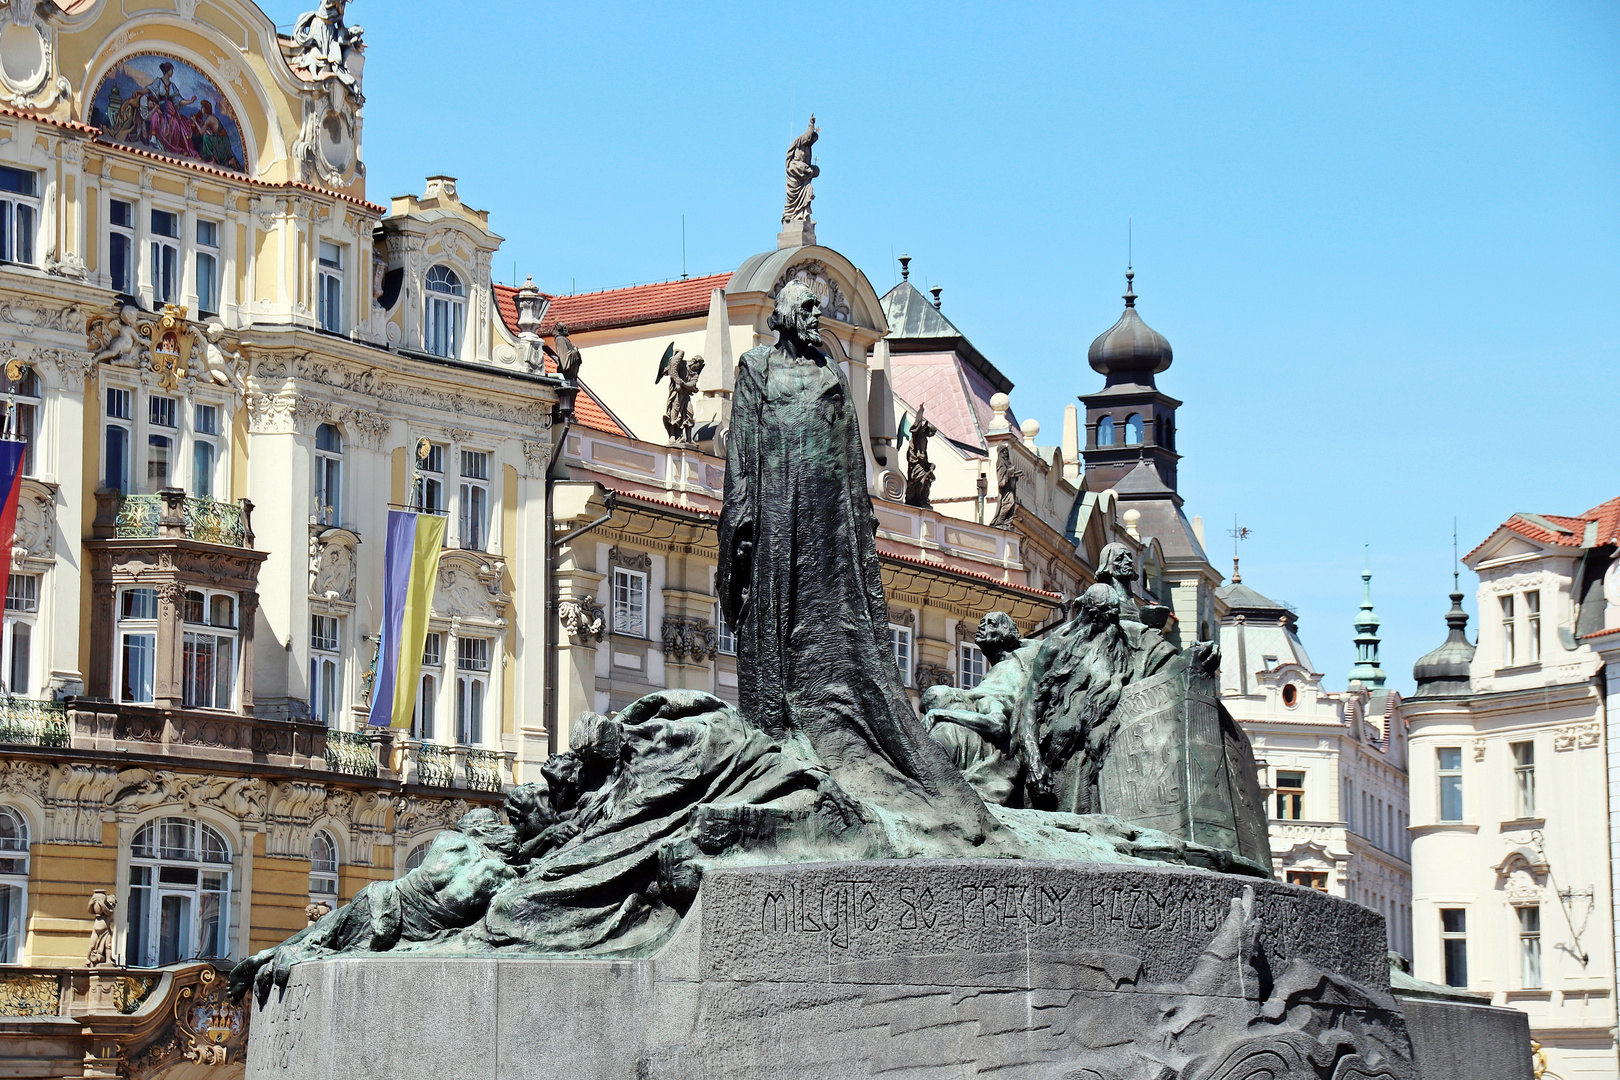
x=471, y=587
x=293, y=807
x=683, y=387
x=101, y=935
x=927, y=676
x=35, y=537
x=1007, y=477
x=328, y=48
x=143, y=789
x=412, y=815
x=113, y=338
x=582, y=619
x=370, y=428
x=536, y=458
x=38, y=316
x=919, y=470
x=801, y=170
x=225, y=365
x=689, y=640
x=630, y=560
x=332, y=564
x=815, y=277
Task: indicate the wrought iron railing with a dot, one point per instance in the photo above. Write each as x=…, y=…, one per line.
x=350, y=753
x=215, y=522
x=484, y=770
x=138, y=516
x=32, y=722
x=435, y=765
x=209, y=520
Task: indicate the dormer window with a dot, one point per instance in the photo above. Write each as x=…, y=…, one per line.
x=445, y=314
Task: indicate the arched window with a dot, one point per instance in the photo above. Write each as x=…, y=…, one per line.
x=179, y=893
x=418, y=853
x=323, y=867
x=13, y=883
x=1105, y=431
x=328, y=475
x=445, y=312
x=1133, y=429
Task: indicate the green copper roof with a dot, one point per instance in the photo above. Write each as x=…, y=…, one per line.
x=1366, y=624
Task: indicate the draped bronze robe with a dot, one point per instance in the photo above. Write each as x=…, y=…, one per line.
x=815, y=664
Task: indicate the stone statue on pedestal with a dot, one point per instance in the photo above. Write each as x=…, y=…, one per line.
x=1007, y=477
x=919, y=470
x=683, y=387
x=801, y=170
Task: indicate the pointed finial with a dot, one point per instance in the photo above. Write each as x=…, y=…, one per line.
x=1130, y=290
x=936, y=290
x=1237, y=578
x=1455, y=586
x=905, y=268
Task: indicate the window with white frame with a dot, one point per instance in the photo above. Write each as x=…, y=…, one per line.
x=325, y=669
x=970, y=665
x=118, y=438
x=1509, y=653
x=430, y=480
x=137, y=644
x=726, y=641
x=162, y=430
x=19, y=214
x=179, y=893
x=445, y=312
x=323, y=867
x=328, y=475
x=204, y=449
x=208, y=650
x=22, y=606
x=427, y=691
x=165, y=257
x=1454, y=944
x=474, y=500
x=206, y=263
x=1524, y=778
x=1529, y=947
x=1449, y=759
x=330, y=287
x=121, y=246
x=1532, y=627
x=23, y=420
x=629, y=602
x=13, y=884
x=900, y=643
x=472, y=687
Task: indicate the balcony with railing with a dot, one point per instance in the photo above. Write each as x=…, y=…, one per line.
x=171, y=513
x=32, y=722
x=469, y=768
x=351, y=753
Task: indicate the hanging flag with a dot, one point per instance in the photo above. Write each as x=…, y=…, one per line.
x=11, y=470
x=410, y=569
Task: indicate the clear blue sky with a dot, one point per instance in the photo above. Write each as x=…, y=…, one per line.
x=1384, y=239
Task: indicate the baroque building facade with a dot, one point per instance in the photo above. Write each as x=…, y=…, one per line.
x=1514, y=844
x=227, y=364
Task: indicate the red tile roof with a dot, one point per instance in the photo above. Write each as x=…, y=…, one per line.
x=588, y=408
x=632, y=306
x=1605, y=515
x=1601, y=633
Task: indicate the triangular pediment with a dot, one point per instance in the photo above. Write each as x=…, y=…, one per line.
x=1506, y=544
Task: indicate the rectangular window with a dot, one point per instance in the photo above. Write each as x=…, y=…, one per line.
x=137, y=632
x=433, y=650
x=1509, y=654
x=25, y=415
x=1530, y=947
x=331, y=287
x=118, y=440
x=165, y=245
x=19, y=637
x=207, y=268
x=900, y=644
x=474, y=500
x=472, y=654
x=204, y=452
x=1451, y=801
x=630, y=603
x=159, y=451
x=472, y=662
x=969, y=666
x=1311, y=879
x=162, y=411
x=323, y=633
x=208, y=669
x=1290, y=796
x=430, y=480
x=1524, y=778
x=19, y=214
x=1532, y=627
x=426, y=706
x=1454, y=944
x=727, y=641
x=325, y=670
x=121, y=246
x=441, y=331
x=22, y=592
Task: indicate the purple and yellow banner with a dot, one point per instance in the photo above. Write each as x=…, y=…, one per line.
x=410, y=569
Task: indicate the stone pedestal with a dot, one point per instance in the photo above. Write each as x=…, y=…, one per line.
x=915, y=969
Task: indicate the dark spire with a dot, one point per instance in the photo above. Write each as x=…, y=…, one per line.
x=905, y=268
x=1130, y=291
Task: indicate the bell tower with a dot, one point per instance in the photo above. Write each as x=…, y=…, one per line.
x=1129, y=421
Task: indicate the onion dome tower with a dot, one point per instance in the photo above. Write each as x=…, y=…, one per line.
x=1129, y=422
x=1367, y=639
x=1443, y=671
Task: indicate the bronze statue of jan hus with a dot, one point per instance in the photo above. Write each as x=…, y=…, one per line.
x=801, y=586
